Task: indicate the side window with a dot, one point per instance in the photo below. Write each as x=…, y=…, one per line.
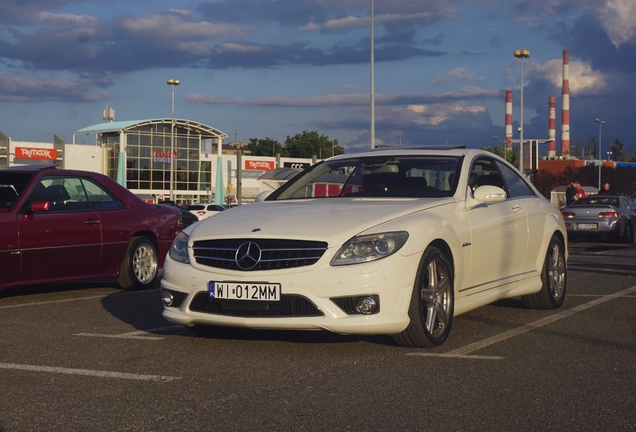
x=629, y=204
x=484, y=172
x=99, y=198
x=517, y=186
x=63, y=194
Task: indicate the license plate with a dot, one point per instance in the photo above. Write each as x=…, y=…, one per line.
x=244, y=291
x=590, y=226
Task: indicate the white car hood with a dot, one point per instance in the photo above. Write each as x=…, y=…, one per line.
x=323, y=219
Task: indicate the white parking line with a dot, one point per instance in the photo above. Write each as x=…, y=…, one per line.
x=140, y=334
x=88, y=372
x=462, y=352
x=78, y=299
x=51, y=302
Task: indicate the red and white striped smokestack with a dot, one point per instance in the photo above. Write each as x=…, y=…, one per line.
x=565, y=110
x=551, y=127
x=508, y=128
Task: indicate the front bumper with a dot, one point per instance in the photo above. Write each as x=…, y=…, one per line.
x=314, y=288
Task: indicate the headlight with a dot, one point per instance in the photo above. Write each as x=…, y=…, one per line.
x=179, y=248
x=369, y=248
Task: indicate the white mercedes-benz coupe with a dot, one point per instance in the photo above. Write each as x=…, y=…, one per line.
x=394, y=242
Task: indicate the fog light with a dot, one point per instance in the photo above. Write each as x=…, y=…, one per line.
x=366, y=305
x=166, y=297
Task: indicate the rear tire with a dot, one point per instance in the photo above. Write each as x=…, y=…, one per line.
x=628, y=235
x=140, y=267
x=432, y=302
x=554, y=278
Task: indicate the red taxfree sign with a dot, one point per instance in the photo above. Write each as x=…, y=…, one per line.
x=35, y=153
x=259, y=165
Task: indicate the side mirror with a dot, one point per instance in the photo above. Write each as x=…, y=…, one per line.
x=485, y=195
x=261, y=196
x=40, y=206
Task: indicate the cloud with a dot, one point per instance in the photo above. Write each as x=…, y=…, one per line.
x=179, y=34
x=458, y=74
x=66, y=19
x=354, y=99
x=365, y=21
x=19, y=89
x=583, y=79
x=617, y=18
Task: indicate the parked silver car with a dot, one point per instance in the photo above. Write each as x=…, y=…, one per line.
x=601, y=216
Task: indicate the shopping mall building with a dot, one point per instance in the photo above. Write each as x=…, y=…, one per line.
x=144, y=155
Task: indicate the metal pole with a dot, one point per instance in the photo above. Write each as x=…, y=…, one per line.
x=372, y=129
x=172, y=150
x=521, y=54
x=600, y=153
x=172, y=82
x=521, y=123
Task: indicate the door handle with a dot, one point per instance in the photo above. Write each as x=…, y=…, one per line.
x=516, y=208
x=92, y=222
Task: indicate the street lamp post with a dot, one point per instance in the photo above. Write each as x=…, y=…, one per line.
x=521, y=54
x=172, y=82
x=600, y=155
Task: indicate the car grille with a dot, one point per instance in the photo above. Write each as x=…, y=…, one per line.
x=289, y=306
x=275, y=254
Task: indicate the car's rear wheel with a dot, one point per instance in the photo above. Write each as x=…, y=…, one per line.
x=432, y=302
x=140, y=267
x=554, y=278
x=628, y=235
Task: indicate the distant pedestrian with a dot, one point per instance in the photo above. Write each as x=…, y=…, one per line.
x=606, y=189
x=572, y=192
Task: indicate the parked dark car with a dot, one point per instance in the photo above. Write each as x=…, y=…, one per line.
x=601, y=216
x=187, y=218
x=58, y=224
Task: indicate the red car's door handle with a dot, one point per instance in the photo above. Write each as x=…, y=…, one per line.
x=92, y=222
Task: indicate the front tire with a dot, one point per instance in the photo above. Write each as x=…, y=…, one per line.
x=432, y=302
x=554, y=278
x=140, y=267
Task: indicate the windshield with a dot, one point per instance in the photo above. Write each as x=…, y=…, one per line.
x=386, y=176
x=596, y=201
x=11, y=186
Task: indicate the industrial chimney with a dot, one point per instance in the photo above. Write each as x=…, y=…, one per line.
x=565, y=110
x=508, y=127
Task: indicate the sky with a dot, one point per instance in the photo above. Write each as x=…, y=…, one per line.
x=275, y=68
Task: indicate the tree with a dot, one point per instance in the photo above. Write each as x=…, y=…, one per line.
x=308, y=144
x=616, y=147
x=511, y=155
x=266, y=147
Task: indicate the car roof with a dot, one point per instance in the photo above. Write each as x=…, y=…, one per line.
x=415, y=151
x=28, y=168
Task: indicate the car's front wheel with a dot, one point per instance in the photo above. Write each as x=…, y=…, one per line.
x=140, y=267
x=554, y=278
x=432, y=302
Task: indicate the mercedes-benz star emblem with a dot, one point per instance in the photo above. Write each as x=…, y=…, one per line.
x=248, y=255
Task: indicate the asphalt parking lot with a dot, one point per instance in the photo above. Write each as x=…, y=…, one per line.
x=87, y=356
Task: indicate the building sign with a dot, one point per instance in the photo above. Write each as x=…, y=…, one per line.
x=164, y=156
x=297, y=165
x=36, y=153
x=256, y=165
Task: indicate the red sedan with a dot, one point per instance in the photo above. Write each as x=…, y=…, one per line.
x=58, y=224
